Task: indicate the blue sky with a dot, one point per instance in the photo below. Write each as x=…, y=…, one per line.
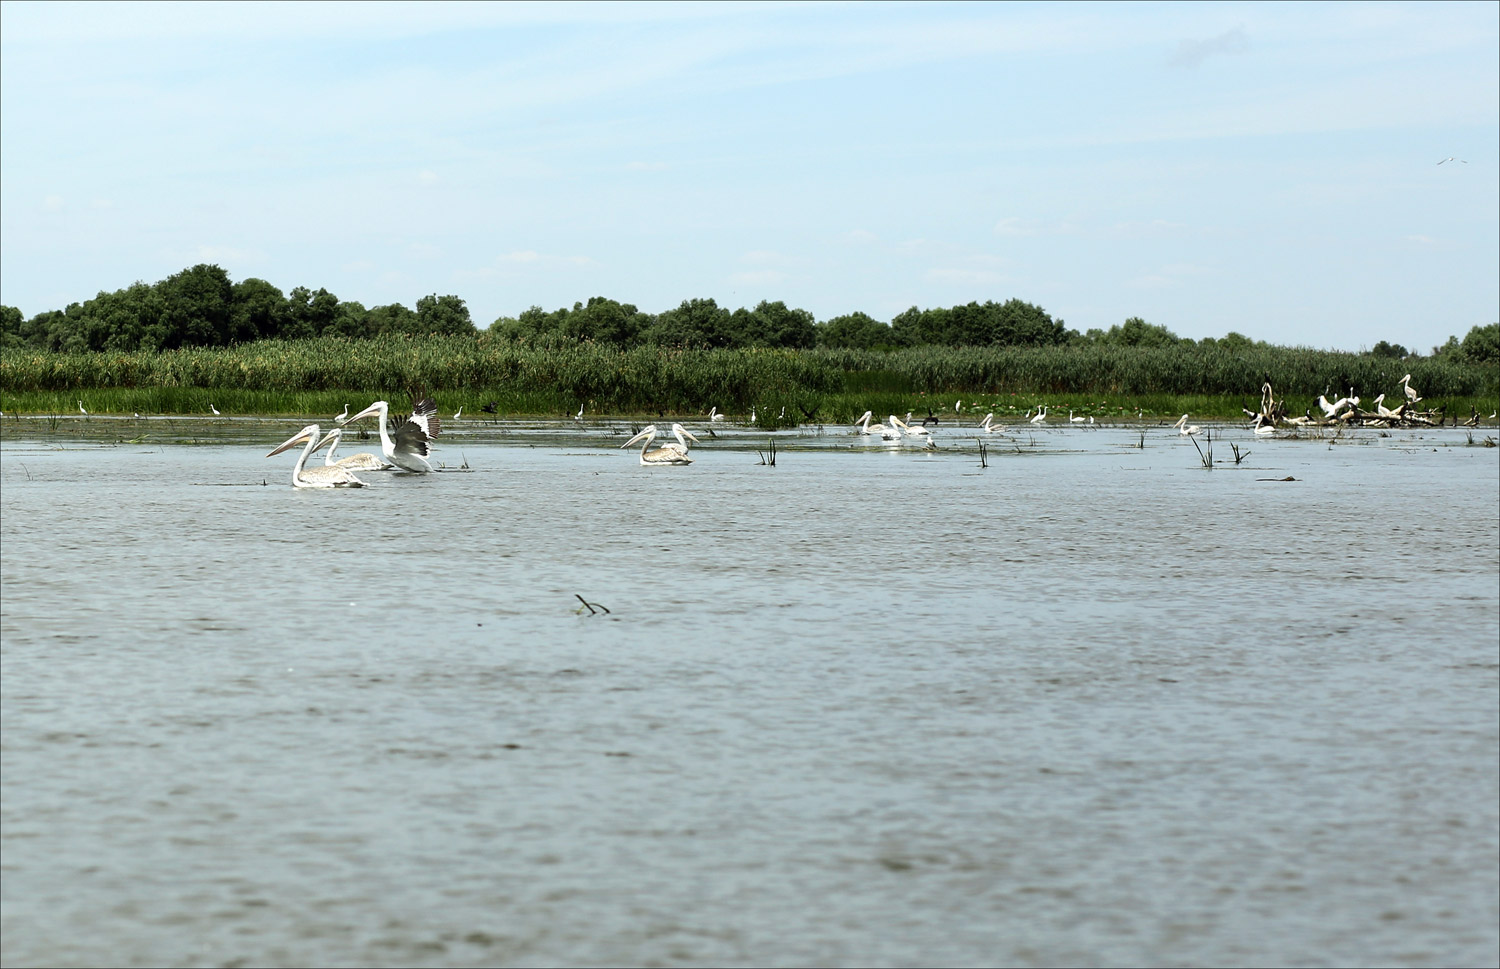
x=1269, y=169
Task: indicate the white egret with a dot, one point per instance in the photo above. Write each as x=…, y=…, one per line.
x=1041, y=416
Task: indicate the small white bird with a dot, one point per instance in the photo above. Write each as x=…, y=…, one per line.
x=579, y=416
x=1041, y=416
x=458, y=413
x=214, y=409
x=81, y=410
x=1074, y=420
x=1451, y=158
x=341, y=418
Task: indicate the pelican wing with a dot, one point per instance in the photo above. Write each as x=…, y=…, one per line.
x=424, y=415
x=410, y=437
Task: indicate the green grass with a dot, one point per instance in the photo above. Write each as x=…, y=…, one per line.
x=318, y=377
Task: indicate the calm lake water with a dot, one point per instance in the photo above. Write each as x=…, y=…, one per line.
x=1092, y=704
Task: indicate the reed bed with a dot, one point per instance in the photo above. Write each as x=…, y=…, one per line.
x=784, y=386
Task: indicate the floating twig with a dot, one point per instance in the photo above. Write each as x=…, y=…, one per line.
x=592, y=607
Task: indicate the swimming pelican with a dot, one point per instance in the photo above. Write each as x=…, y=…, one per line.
x=989, y=426
x=714, y=415
x=1411, y=392
x=668, y=454
x=410, y=444
x=887, y=432
x=1265, y=430
x=341, y=418
x=1183, y=428
x=214, y=409
x=1075, y=420
x=1041, y=416
x=364, y=461
x=324, y=477
x=907, y=429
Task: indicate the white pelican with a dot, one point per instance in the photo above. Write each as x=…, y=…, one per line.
x=1075, y=420
x=989, y=426
x=1411, y=392
x=714, y=415
x=1383, y=410
x=1264, y=430
x=907, y=429
x=324, y=477
x=1041, y=416
x=214, y=409
x=1183, y=428
x=410, y=444
x=1331, y=411
x=364, y=461
x=668, y=454
x=341, y=418
x=887, y=432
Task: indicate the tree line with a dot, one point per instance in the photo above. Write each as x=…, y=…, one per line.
x=202, y=307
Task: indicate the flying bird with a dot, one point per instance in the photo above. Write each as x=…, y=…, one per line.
x=1451, y=158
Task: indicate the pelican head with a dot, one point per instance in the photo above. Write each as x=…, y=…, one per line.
x=681, y=432
x=648, y=433
x=310, y=431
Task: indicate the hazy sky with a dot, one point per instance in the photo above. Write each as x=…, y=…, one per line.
x=1265, y=168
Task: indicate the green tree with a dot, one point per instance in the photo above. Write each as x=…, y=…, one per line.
x=11, y=324
x=774, y=325
x=198, y=304
x=309, y=313
x=695, y=324
x=855, y=331
x=260, y=311
x=1394, y=351
x=1482, y=345
x=443, y=315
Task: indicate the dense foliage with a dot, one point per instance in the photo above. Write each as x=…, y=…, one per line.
x=649, y=379
x=200, y=307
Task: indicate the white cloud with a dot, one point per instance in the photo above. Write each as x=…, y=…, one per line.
x=1191, y=53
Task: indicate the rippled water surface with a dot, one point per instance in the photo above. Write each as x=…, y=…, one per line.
x=1092, y=704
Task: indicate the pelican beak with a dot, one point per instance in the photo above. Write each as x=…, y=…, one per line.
x=328, y=439
x=297, y=438
x=367, y=412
